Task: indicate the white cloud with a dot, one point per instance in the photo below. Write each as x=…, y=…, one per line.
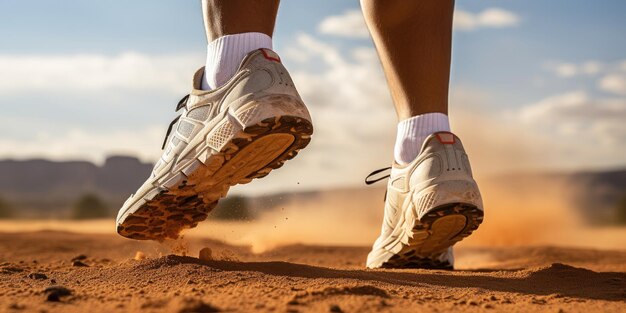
x=576, y=105
x=592, y=67
x=495, y=17
x=588, y=125
x=349, y=24
x=488, y=18
x=614, y=83
x=554, y=105
x=567, y=70
x=94, y=72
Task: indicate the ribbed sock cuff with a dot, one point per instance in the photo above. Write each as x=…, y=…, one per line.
x=225, y=54
x=413, y=131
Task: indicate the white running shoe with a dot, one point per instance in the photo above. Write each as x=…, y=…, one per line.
x=223, y=137
x=431, y=203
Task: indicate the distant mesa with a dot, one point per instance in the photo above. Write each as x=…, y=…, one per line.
x=38, y=176
x=44, y=188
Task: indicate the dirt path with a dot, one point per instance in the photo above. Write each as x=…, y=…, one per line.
x=105, y=277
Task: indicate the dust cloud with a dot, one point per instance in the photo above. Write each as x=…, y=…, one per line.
x=521, y=210
x=532, y=210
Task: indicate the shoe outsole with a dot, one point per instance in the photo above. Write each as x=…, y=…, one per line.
x=253, y=152
x=433, y=234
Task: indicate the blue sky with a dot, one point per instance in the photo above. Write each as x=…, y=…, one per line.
x=536, y=85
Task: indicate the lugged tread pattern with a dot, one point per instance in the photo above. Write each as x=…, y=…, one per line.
x=426, y=243
x=253, y=153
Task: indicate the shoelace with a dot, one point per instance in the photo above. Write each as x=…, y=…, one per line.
x=181, y=104
x=378, y=171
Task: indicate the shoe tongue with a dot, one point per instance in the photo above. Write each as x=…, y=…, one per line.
x=197, y=79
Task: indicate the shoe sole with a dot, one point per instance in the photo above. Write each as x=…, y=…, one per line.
x=253, y=152
x=433, y=234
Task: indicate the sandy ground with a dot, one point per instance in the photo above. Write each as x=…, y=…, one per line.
x=532, y=253
x=105, y=273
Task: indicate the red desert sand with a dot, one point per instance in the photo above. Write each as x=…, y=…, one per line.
x=49, y=271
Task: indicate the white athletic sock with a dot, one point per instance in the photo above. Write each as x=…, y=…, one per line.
x=224, y=56
x=413, y=131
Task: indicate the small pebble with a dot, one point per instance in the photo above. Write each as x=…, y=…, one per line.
x=140, y=256
x=12, y=269
x=55, y=293
x=79, y=257
x=195, y=305
x=79, y=264
x=37, y=276
x=17, y=306
x=205, y=254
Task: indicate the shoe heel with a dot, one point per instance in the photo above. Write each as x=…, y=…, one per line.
x=271, y=107
x=447, y=192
